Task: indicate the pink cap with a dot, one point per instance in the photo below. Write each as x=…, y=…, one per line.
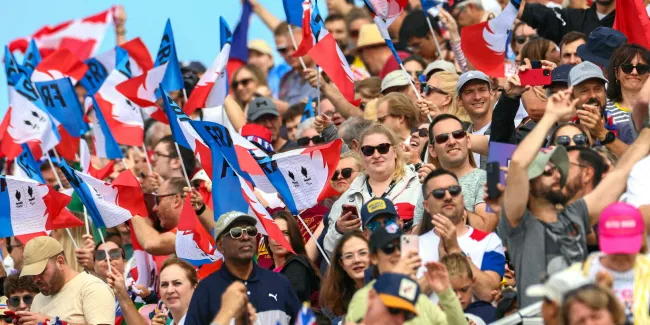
x=620, y=229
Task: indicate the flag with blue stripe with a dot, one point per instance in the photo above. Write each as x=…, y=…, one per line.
x=175, y=116
x=308, y=112
x=60, y=99
x=173, y=79
x=305, y=316
x=105, y=144
x=29, y=168
x=31, y=60
x=293, y=12
x=12, y=69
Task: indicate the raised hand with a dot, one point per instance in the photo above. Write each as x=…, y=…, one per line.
x=513, y=87
x=560, y=106
x=437, y=277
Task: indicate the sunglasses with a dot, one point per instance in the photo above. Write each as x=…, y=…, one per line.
x=243, y=82
x=159, y=197
x=14, y=301
x=549, y=170
x=579, y=139
x=423, y=132
x=373, y=225
x=440, y=193
x=304, y=141
x=370, y=150
x=283, y=50
x=444, y=137
x=390, y=248
x=428, y=89
x=238, y=232
x=407, y=314
x=114, y=254
x=641, y=68
x=521, y=39
x=345, y=173
x=416, y=73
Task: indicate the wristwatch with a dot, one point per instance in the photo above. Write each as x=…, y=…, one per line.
x=609, y=138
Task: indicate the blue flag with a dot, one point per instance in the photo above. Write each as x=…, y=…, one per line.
x=28, y=165
x=173, y=79
x=225, y=36
x=316, y=22
x=308, y=112
x=293, y=11
x=60, y=100
x=239, y=49
x=225, y=177
x=31, y=60
x=175, y=115
x=12, y=69
x=122, y=63
x=94, y=77
x=105, y=144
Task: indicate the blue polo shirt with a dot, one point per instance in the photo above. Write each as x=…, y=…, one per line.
x=270, y=293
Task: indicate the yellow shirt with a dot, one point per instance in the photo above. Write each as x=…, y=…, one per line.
x=83, y=300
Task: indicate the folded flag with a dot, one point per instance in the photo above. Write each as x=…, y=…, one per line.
x=239, y=48
x=60, y=64
x=87, y=166
x=484, y=44
x=27, y=166
x=103, y=140
x=31, y=60
x=81, y=36
x=327, y=54
x=193, y=242
x=29, y=207
x=384, y=13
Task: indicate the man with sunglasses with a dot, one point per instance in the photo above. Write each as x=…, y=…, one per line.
x=270, y=293
x=540, y=237
x=448, y=233
x=20, y=292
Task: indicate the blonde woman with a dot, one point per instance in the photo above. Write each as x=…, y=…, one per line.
x=386, y=175
x=440, y=91
x=591, y=303
x=397, y=112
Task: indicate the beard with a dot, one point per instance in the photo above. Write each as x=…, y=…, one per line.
x=55, y=284
x=455, y=216
x=572, y=188
x=553, y=196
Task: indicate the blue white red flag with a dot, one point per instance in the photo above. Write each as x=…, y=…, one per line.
x=384, y=13
x=293, y=11
x=103, y=140
x=193, y=243
x=60, y=100
x=312, y=27
x=27, y=166
x=305, y=316
x=86, y=165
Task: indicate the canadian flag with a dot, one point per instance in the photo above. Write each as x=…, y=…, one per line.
x=82, y=37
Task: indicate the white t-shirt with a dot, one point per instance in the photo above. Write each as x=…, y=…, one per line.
x=623, y=283
x=477, y=157
x=638, y=183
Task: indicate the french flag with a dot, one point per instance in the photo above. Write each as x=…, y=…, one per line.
x=27, y=167
x=31, y=60
x=122, y=116
x=141, y=90
x=12, y=70
x=81, y=36
x=239, y=48
x=312, y=25
x=108, y=204
x=27, y=121
x=32, y=208
x=193, y=242
x=103, y=140
x=87, y=166
x=60, y=64
x=212, y=88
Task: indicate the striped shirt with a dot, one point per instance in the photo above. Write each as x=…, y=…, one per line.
x=617, y=112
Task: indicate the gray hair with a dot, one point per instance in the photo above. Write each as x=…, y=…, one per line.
x=352, y=128
x=304, y=125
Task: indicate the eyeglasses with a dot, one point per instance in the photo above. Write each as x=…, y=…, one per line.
x=345, y=173
x=159, y=197
x=8, y=319
x=549, y=170
x=440, y=193
x=304, y=141
x=390, y=248
x=522, y=39
x=14, y=301
x=373, y=225
x=579, y=139
x=238, y=232
x=415, y=74
x=407, y=314
x=113, y=254
x=428, y=89
x=370, y=150
x=243, y=82
x=283, y=50
x=641, y=68
x=382, y=119
x=423, y=132
x=157, y=155
x=444, y=137
x=349, y=257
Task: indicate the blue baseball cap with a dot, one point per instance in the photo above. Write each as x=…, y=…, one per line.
x=375, y=208
x=397, y=291
x=600, y=45
x=560, y=75
x=471, y=76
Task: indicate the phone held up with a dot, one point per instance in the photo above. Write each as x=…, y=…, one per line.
x=408, y=243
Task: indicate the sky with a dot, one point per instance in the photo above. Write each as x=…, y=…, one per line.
x=195, y=24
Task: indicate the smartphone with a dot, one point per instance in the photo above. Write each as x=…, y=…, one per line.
x=535, y=77
x=536, y=64
x=493, y=169
x=408, y=243
x=350, y=208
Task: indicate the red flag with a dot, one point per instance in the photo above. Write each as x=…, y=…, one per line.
x=139, y=53
x=632, y=20
x=58, y=216
x=193, y=242
x=60, y=64
x=141, y=91
x=129, y=193
x=308, y=40
x=68, y=147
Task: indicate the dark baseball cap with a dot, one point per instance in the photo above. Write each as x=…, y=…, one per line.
x=375, y=208
x=560, y=75
x=397, y=291
x=261, y=106
x=384, y=236
x=600, y=45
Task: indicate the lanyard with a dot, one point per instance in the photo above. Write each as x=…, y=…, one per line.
x=390, y=188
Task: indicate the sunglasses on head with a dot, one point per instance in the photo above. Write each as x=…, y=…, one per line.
x=641, y=68
x=440, y=193
x=238, y=232
x=522, y=39
x=370, y=150
x=114, y=254
x=423, y=132
x=304, y=141
x=390, y=248
x=444, y=137
x=243, y=82
x=549, y=170
x=345, y=173
x=14, y=301
x=579, y=139
x=373, y=225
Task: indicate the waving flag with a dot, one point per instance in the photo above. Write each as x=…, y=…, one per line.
x=305, y=316
x=122, y=116
x=212, y=88
x=29, y=207
x=27, y=166
x=108, y=204
x=312, y=25
x=308, y=112
x=193, y=243
x=81, y=36
x=27, y=121
x=632, y=20
x=293, y=11
x=433, y=6
x=31, y=60
x=239, y=48
x=60, y=100
x=87, y=166
x=485, y=43
x=327, y=54
x=12, y=69
x=60, y=64
x=103, y=140
x=384, y=13
x=141, y=90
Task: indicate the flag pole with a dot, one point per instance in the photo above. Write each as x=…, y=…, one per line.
x=72, y=238
x=86, y=220
x=187, y=179
x=318, y=91
x=56, y=154
x=56, y=175
x=295, y=46
x=146, y=157
x=313, y=237
x=108, y=260
x=435, y=39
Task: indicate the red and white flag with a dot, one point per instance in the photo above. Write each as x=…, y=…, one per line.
x=60, y=64
x=212, y=89
x=193, y=242
x=82, y=36
x=86, y=165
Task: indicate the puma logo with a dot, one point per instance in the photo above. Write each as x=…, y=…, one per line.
x=274, y=296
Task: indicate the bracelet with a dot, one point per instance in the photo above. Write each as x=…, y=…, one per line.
x=200, y=210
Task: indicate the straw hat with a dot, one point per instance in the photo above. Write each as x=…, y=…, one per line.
x=369, y=36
